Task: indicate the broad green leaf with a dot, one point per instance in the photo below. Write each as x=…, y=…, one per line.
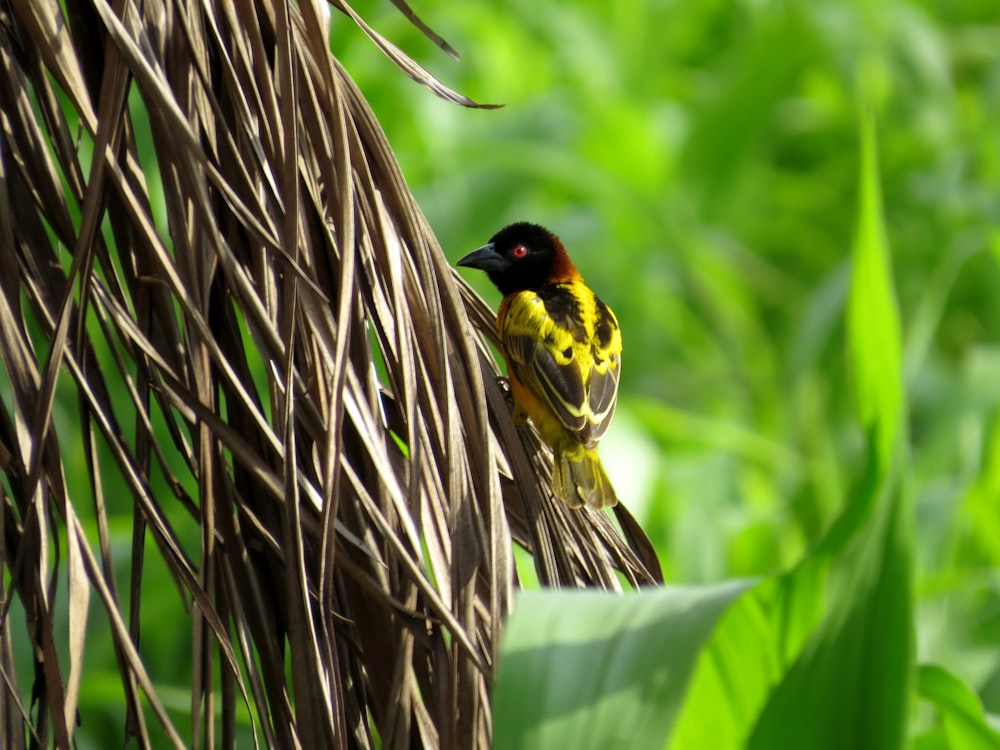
x=959, y=708
x=851, y=685
x=756, y=641
x=585, y=669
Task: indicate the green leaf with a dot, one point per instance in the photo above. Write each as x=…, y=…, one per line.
x=851, y=686
x=873, y=317
x=585, y=669
x=959, y=709
x=874, y=344
x=750, y=651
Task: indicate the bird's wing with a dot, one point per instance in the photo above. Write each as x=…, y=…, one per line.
x=605, y=370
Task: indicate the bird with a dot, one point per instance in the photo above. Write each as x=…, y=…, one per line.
x=562, y=346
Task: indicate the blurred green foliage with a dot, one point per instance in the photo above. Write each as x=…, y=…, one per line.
x=700, y=160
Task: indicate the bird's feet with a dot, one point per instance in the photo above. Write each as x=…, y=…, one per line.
x=508, y=394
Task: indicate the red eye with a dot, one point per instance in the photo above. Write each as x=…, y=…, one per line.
x=519, y=251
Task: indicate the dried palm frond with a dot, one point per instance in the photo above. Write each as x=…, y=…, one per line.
x=207, y=247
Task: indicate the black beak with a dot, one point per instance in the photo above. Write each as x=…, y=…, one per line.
x=486, y=259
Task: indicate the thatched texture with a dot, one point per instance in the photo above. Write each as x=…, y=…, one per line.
x=265, y=346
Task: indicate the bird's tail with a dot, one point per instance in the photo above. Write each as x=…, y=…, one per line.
x=579, y=479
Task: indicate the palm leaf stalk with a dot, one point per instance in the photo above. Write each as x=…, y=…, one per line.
x=207, y=249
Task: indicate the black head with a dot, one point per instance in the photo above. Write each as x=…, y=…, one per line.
x=519, y=256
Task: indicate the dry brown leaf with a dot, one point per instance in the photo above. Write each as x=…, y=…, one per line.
x=280, y=363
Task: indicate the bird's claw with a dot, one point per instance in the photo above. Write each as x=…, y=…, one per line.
x=508, y=394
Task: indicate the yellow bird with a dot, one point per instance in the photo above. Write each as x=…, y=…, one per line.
x=563, y=351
